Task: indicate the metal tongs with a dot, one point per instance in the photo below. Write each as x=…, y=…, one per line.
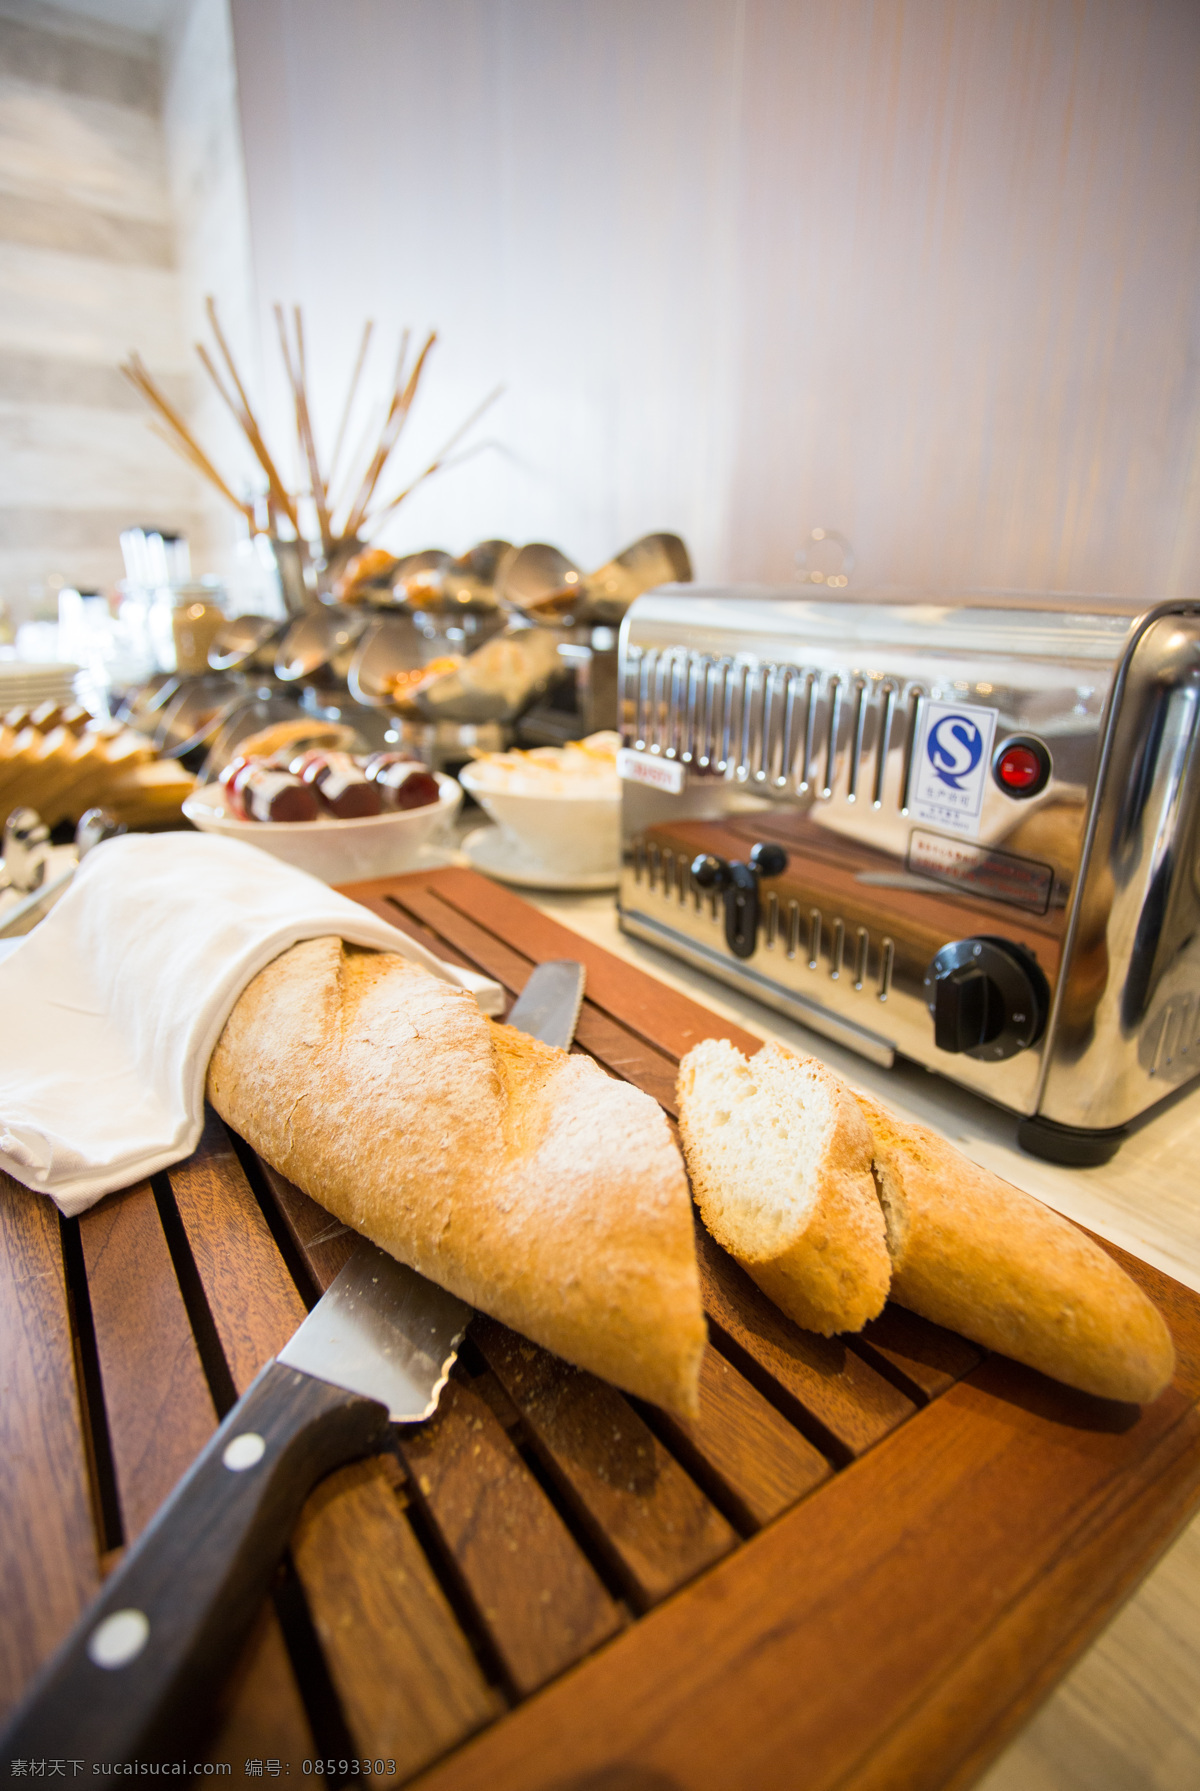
x=27, y=854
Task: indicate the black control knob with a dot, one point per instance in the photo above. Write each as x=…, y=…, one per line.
x=709, y=871
x=988, y=998
x=738, y=883
x=769, y=860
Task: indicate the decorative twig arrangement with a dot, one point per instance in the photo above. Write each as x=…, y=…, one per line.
x=352, y=503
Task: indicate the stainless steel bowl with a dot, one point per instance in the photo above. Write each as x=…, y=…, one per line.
x=390, y=644
x=540, y=582
x=195, y=713
x=320, y=644
x=245, y=644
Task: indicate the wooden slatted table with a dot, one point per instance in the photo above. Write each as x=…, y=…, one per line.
x=861, y=1567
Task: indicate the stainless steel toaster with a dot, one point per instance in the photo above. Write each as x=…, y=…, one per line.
x=963, y=830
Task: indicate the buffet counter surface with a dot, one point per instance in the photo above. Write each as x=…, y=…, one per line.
x=1128, y=1715
x=865, y=1560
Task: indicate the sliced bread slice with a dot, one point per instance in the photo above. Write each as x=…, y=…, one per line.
x=780, y=1160
x=973, y=1253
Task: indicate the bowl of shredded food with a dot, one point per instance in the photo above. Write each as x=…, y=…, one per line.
x=561, y=805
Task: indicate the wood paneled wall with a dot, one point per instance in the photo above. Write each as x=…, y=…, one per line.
x=87, y=271
x=925, y=273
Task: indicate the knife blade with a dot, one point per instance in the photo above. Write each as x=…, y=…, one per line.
x=548, y=1006
x=152, y=1649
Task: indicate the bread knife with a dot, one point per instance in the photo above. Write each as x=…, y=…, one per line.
x=152, y=1649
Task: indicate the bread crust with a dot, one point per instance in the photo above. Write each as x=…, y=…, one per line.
x=829, y=1268
x=520, y=1177
x=973, y=1253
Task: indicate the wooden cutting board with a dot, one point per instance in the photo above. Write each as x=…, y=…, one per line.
x=862, y=1567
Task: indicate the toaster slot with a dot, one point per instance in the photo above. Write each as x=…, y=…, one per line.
x=756, y=729
x=915, y=695
x=752, y=708
x=856, y=738
x=627, y=714
x=713, y=712
x=697, y=682
x=774, y=765
x=799, y=723
x=887, y=709
x=785, y=727
x=643, y=683
x=676, y=729
x=834, y=702
x=734, y=695
x=660, y=719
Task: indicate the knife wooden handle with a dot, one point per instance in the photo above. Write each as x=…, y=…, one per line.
x=154, y=1646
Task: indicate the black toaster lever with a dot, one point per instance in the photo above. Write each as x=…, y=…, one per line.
x=738, y=883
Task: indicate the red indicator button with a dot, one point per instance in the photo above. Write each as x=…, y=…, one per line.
x=1022, y=767
x=1018, y=768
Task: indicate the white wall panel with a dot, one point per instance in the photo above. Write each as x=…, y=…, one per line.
x=549, y=185
x=78, y=308
x=56, y=145
x=43, y=448
x=208, y=198
x=86, y=274
x=924, y=273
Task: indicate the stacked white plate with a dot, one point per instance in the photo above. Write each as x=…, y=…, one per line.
x=24, y=684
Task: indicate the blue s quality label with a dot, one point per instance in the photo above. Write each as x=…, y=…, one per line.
x=950, y=766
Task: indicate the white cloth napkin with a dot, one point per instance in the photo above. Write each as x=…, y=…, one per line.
x=111, y=1008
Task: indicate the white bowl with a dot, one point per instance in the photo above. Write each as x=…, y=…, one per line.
x=575, y=833
x=335, y=851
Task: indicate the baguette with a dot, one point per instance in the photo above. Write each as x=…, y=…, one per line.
x=520, y=1177
x=973, y=1253
x=780, y=1161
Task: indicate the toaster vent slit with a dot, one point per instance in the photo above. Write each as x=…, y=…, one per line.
x=679, y=704
x=791, y=687
x=774, y=765
x=631, y=674
x=661, y=719
x=887, y=708
x=808, y=737
x=696, y=674
x=914, y=705
x=771, y=928
x=793, y=929
x=831, y=737
x=856, y=743
x=764, y=688
x=645, y=687
x=720, y=694
x=704, y=714
x=736, y=679
x=862, y=948
x=837, y=952
x=720, y=710
x=751, y=681
x=887, y=956
x=814, y=938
